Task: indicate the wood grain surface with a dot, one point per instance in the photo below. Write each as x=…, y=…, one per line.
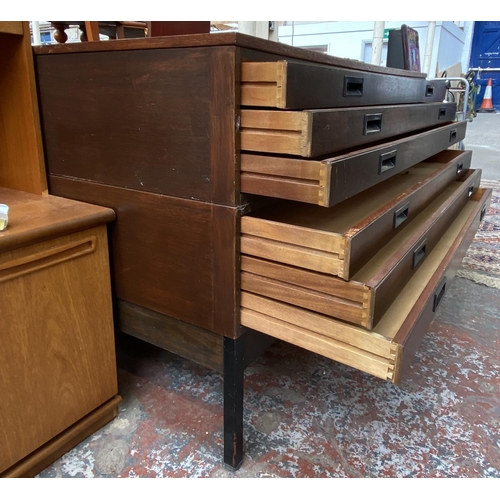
x=170, y=255
x=313, y=133
x=189, y=341
x=209, y=40
x=299, y=85
x=160, y=121
x=34, y=218
x=21, y=155
x=341, y=239
x=57, y=361
x=389, y=349
x=48, y=453
x=331, y=181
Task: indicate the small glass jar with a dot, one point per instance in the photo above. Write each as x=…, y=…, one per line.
x=4, y=216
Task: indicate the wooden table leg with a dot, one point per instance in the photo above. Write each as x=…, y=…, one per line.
x=234, y=369
x=238, y=354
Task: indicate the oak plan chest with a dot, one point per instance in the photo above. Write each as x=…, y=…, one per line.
x=263, y=192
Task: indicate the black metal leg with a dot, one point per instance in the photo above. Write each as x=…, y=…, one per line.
x=233, y=401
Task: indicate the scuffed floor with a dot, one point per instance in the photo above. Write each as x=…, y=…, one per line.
x=307, y=416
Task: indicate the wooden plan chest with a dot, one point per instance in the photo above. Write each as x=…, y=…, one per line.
x=263, y=192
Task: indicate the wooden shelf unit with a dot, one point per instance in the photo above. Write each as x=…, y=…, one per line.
x=57, y=359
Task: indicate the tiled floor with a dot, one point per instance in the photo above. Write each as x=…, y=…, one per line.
x=306, y=416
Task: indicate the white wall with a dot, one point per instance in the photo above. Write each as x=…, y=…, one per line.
x=348, y=39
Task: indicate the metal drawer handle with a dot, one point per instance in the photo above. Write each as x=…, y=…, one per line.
x=442, y=113
x=373, y=124
x=401, y=215
x=470, y=191
x=438, y=295
x=387, y=161
x=419, y=253
x=483, y=213
x=460, y=167
x=353, y=86
x=453, y=135
x=429, y=91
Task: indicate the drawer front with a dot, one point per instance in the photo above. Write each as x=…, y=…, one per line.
x=313, y=133
x=329, y=182
x=415, y=326
x=341, y=239
x=298, y=85
x=387, y=352
x=397, y=213
x=392, y=276
x=365, y=298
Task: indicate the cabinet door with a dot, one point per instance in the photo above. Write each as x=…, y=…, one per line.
x=57, y=358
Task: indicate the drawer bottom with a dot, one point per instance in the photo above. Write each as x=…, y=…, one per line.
x=387, y=351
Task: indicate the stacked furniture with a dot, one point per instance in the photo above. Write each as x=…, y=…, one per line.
x=57, y=357
x=263, y=192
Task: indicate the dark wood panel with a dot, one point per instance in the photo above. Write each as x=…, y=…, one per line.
x=196, y=344
x=162, y=249
x=239, y=39
x=416, y=325
x=226, y=277
x=224, y=142
x=341, y=129
x=354, y=172
x=306, y=86
x=147, y=120
x=172, y=28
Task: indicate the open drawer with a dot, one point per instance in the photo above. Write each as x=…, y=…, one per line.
x=331, y=181
x=369, y=294
x=318, y=132
x=340, y=240
x=387, y=352
x=299, y=85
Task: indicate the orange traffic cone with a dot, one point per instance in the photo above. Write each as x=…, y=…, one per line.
x=487, y=105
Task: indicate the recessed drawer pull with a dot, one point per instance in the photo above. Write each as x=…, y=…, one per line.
x=51, y=257
x=387, y=161
x=442, y=113
x=401, y=215
x=460, y=167
x=429, y=91
x=453, y=135
x=438, y=295
x=419, y=254
x=483, y=213
x=353, y=86
x=470, y=191
x=373, y=123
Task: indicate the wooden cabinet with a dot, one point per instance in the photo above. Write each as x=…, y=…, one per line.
x=57, y=359
x=209, y=259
